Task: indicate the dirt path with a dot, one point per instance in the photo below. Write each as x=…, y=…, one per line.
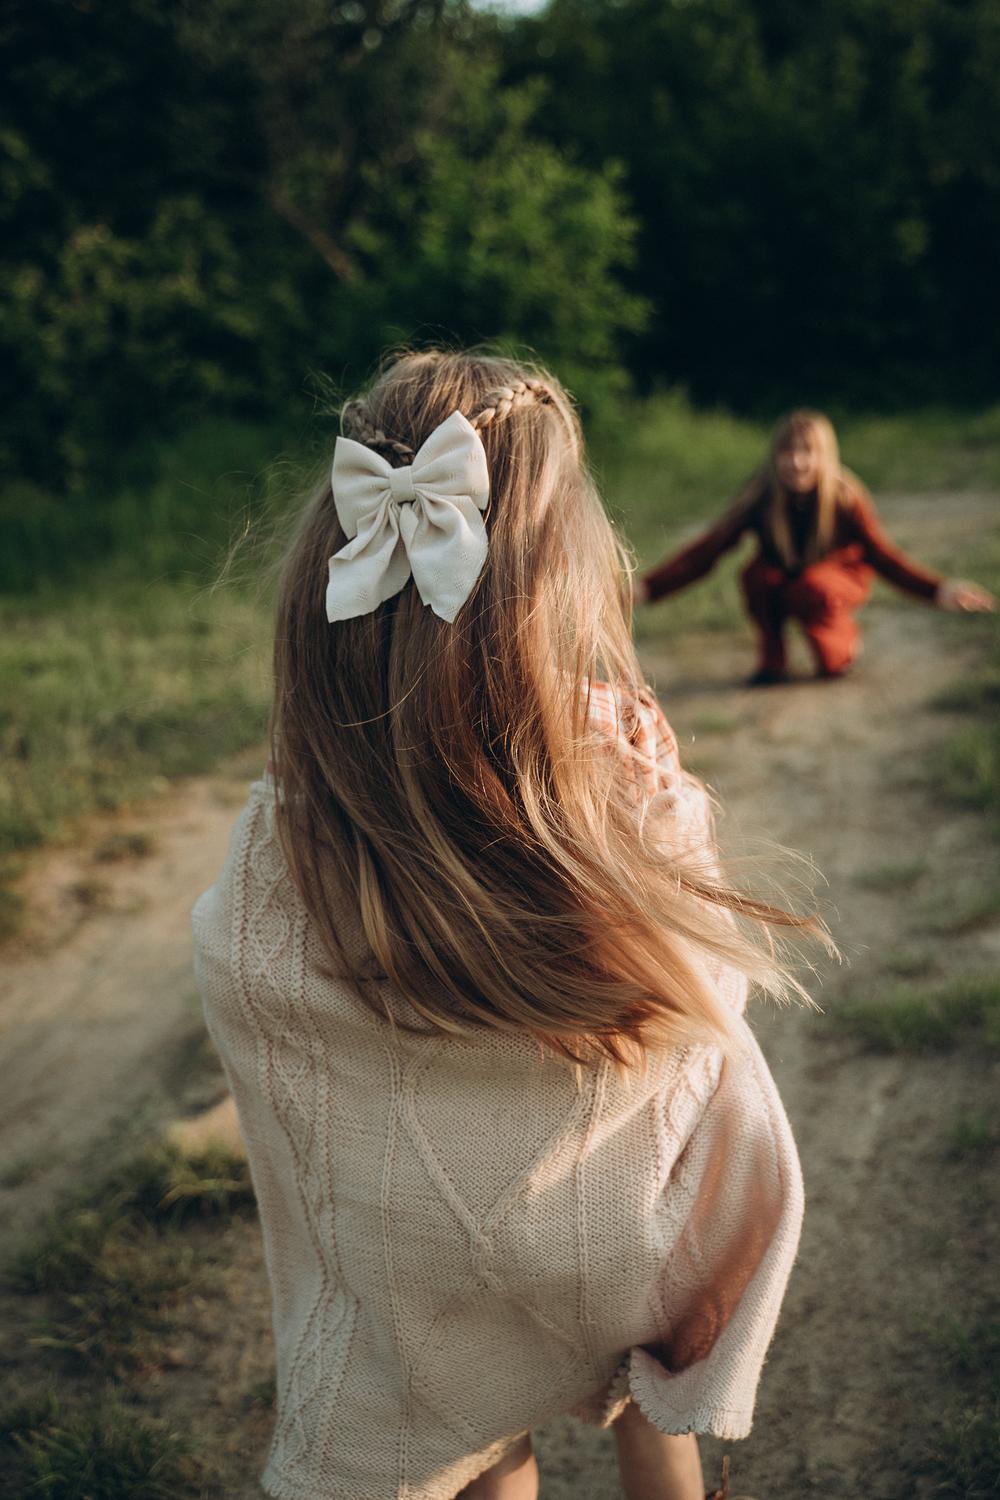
x=100, y=1023
x=99, y=1028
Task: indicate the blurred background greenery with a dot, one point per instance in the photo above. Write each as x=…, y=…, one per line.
x=215, y=215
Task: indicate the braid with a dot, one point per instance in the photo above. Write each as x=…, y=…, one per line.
x=500, y=402
x=355, y=416
x=497, y=404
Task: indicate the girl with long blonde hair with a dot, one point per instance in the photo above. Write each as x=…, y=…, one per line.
x=477, y=981
x=819, y=544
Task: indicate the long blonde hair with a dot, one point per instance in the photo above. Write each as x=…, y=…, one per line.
x=447, y=779
x=815, y=429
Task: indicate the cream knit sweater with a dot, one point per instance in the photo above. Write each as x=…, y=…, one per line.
x=464, y=1239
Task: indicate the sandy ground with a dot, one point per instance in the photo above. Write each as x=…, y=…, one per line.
x=101, y=1042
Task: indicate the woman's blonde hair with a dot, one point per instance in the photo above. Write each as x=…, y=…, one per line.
x=448, y=779
x=815, y=429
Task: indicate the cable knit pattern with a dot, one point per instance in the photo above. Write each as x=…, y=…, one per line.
x=464, y=1239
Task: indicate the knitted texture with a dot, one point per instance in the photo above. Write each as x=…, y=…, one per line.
x=466, y=1238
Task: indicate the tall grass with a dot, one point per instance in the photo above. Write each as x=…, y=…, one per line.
x=102, y=695
x=173, y=511
x=123, y=659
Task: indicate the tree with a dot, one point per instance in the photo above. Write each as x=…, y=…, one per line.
x=202, y=204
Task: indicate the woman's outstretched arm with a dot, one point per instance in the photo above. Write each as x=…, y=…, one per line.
x=892, y=564
x=701, y=555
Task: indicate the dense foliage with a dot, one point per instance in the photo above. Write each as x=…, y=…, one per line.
x=818, y=185
x=203, y=203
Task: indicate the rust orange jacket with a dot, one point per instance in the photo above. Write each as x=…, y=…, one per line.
x=859, y=541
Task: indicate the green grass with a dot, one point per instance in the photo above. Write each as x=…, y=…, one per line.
x=123, y=660
x=892, y=876
x=108, y=1289
x=918, y=1018
x=975, y=694
x=964, y=910
x=101, y=1284
x=966, y=770
x=108, y=1453
x=963, y=1455
x=909, y=963
x=110, y=1266
x=714, y=721
x=971, y=1349
x=174, y=512
x=101, y=699
x=973, y=1136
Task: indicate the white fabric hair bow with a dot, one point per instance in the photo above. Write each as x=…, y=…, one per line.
x=424, y=518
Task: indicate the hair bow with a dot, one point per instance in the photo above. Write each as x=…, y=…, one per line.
x=422, y=519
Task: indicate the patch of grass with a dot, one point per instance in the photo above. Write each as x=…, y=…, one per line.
x=963, y=1453
x=892, y=876
x=167, y=1187
x=714, y=722
x=110, y=1454
x=162, y=1187
x=673, y=465
x=111, y=1267
x=103, y=696
x=174, y=510
x=967, y=767
x=108, y=1288
x=972, y=1349
x=973, y=694
x=909, y=963
x=121, y=845
x=121, y=665
x=925, y=449
x=910, y=1018
x=964, y=911
x=711, y=607
x=973, y=1136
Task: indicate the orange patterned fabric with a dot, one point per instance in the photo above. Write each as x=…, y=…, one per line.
x=641, y=732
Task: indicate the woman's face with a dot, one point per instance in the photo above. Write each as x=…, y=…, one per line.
x=798, y=465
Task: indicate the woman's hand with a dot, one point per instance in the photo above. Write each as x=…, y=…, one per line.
x=957, y=595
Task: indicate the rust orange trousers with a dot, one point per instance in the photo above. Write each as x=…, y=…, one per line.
x=823, y=598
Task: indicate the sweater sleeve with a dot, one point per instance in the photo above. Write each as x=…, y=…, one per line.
x=739, y=1186
x=701, y=555
x=887, y=560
